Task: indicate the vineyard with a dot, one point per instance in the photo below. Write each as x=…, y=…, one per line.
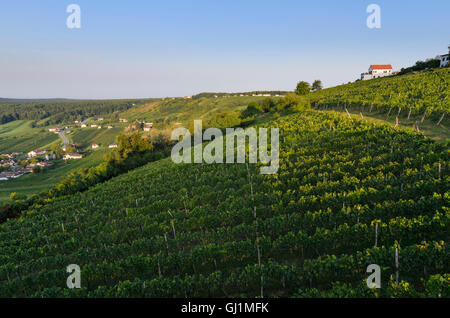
x=422, y=93
x=348, y=194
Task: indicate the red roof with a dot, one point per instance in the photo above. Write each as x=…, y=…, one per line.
x=381, y=67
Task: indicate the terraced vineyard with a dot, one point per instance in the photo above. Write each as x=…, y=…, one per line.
x=347, y=195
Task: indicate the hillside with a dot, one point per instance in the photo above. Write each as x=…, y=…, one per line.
x=412, y=94
x=347, y=195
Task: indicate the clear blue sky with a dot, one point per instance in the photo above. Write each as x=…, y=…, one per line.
x=138, y=48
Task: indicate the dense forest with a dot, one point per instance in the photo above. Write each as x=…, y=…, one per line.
x=57, y=112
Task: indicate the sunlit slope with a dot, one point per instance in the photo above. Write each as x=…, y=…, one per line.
x=167, y=230
x=419, y=92
x=170, y=112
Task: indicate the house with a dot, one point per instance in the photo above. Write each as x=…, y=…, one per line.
x=444, y=60
x=123, y=120
x=376, y=71
x=35, y=153
x=110, y=127
x=74, y=156
x=100, y=119
x=93, y=126
x=55, y=130
x=99, y=127
x=95, y=146
x=111, y=146
x=147, y=129
x=83, y=126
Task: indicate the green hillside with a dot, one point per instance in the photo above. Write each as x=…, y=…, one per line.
x=347, y=195
x=419, y=92
x=20, y=136
x=168, y=113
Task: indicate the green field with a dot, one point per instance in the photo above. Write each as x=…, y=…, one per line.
x=85, y=137
x=19, y=136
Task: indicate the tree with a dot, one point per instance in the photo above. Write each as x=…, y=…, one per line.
x=57, y=151
x=303, y=88
x=317, y=85
x=17, y=196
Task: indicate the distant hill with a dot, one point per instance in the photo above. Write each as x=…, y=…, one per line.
x=46, y=100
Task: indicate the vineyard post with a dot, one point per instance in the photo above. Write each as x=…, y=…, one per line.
x=442, y=117
x=256, y=230
x=396, y=122
x=371, y=107
x=389, y=112
x=423, y=117
x=440, y=167
x=409, y=114
x=396, y=265
x=376, y=234
x=348, y=114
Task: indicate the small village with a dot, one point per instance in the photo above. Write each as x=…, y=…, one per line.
x=17, y=164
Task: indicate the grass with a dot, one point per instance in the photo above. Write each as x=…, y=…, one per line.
x=173, y=112
x=85, y=137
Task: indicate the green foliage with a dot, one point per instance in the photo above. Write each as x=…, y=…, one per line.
x=317, y=85
x=17, y=197
x=420, y=66
x=167, y=230
x=424, y=92
x=303, y=88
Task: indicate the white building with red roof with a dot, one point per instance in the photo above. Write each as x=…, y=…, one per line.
x=376, y=71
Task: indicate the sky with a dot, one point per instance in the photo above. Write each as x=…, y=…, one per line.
x=137, y=48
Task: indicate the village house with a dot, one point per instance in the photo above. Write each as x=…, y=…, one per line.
x=83, y=126
x=93, y=126
x=111, y=146
x=95, y=146
x=55, y=130
x=123, y=120
x=376, y=71
x=74, y=156
x=110, y=127
x=35, y=153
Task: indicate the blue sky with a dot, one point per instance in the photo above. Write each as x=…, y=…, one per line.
x=137, y=48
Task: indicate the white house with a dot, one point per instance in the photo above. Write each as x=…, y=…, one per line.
x=74, y=156
x=444, y=60
x=35, y=153
x=95, y=146
x=111, y=146
x=376, y=71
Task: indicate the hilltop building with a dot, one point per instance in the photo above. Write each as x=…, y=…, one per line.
x=376, y=71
